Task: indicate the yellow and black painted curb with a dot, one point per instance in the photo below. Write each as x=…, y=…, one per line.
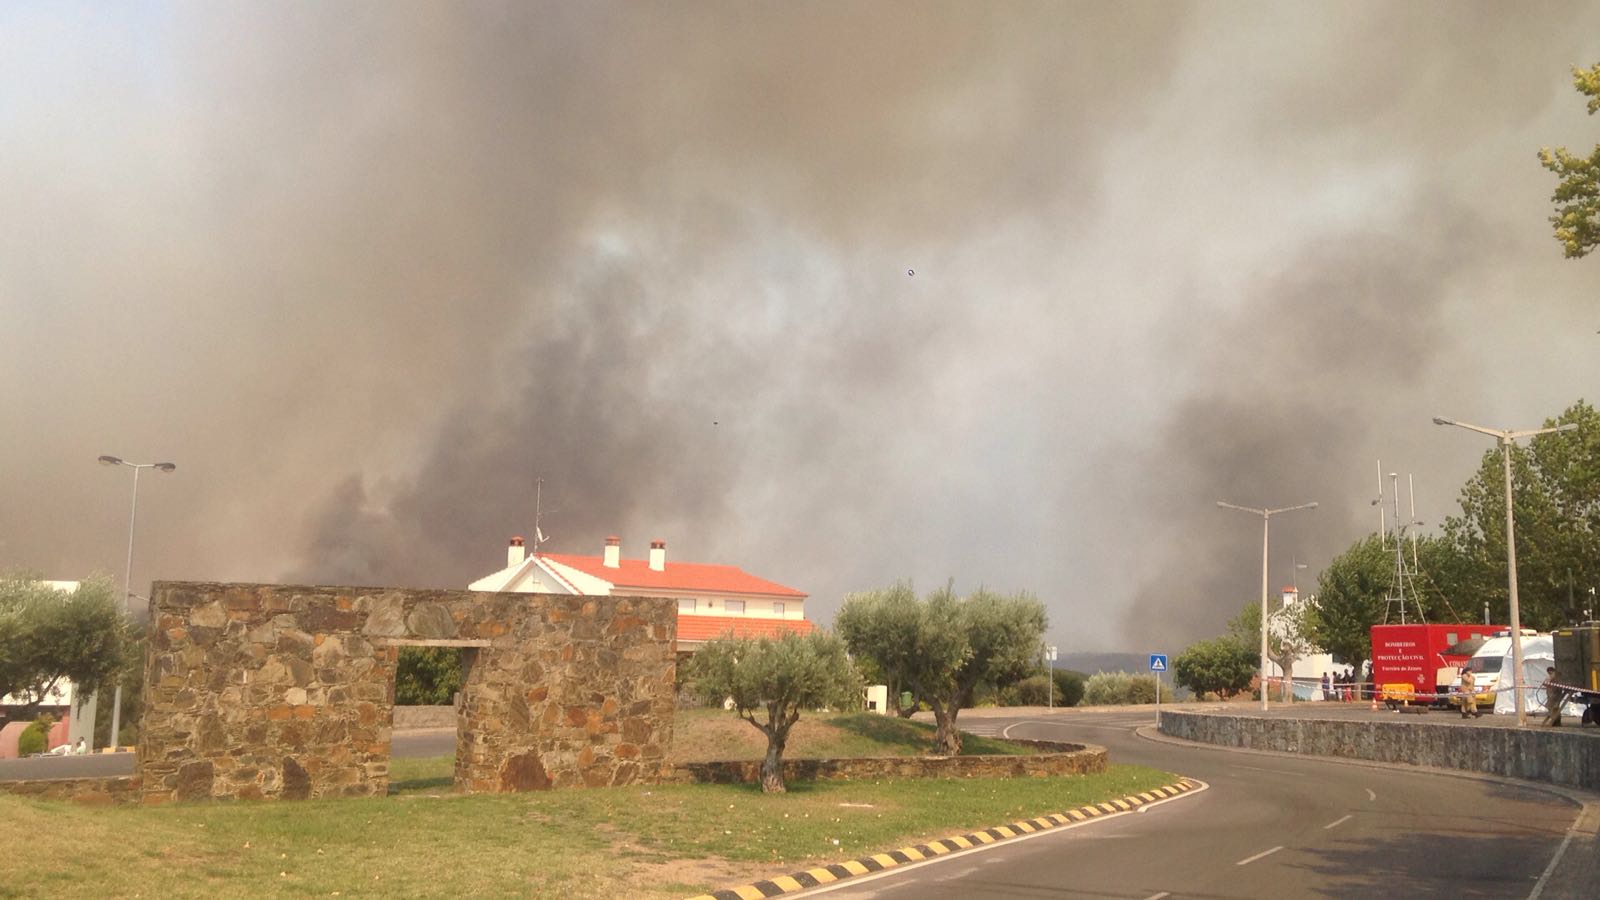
x=810, y=878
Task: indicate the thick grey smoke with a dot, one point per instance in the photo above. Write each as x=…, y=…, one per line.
x=366, y=271
x=1292, y=393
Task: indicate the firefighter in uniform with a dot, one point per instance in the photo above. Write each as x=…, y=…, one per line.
x=1469, y=694
x=1553, y=698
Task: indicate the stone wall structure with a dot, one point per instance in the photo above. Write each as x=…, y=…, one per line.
x=93, y=791
x=1567, y=757
x=1058, y=759
x=273, y=691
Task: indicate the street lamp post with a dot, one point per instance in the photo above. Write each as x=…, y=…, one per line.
x=127, y=577
x=1266, y=526
x=1506, y=439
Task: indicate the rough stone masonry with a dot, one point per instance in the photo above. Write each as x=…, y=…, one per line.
x=272, y=691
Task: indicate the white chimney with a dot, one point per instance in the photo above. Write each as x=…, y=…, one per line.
x=515, y=553
x=658, y=556
x=613, y=558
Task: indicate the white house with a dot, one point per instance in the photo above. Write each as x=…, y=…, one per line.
x=713, y=600
x=1308, y=668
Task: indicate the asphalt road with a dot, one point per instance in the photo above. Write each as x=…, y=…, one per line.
x=1271, y=826
x=405, y=744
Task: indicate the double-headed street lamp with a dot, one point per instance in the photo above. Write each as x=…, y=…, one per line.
x=1266, y=526
x=127, y=577
x=1506, y=439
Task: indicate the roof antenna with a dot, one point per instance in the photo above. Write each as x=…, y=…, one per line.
x=538, y=509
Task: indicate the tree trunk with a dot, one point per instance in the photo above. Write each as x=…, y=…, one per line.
x=1286, y=665
x=946, y=740
x=772, y=765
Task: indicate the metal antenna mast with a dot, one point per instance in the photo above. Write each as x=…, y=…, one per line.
x=538, y=504
x=1399, y=595
x=1411, y=482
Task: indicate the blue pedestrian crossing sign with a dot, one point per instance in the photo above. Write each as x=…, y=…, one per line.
x=1158, y=662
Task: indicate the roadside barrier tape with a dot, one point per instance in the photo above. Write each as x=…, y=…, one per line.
x=1420, y=695
x=1573, y=689
x=877, y=862
x=1364, y=691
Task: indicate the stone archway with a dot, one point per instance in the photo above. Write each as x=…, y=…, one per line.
x=273, y=691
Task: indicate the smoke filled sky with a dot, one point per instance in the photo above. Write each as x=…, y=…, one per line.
x=838, y=293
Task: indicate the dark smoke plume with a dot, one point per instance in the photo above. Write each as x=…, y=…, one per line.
x=366, y=270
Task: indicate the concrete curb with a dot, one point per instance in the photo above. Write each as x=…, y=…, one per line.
x=878, y=862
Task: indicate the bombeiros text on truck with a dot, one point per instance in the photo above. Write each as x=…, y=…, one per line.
x=1419, y=663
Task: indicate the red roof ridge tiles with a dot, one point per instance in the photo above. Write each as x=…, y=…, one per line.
x=636, y=574
x=705, y=628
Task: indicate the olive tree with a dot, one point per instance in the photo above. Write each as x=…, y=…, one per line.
x=48, y=636
x=943, y=646
x=877, y=627
x=776, y=678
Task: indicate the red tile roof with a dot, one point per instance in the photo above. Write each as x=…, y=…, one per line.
x=636, y=574
x=704, y=628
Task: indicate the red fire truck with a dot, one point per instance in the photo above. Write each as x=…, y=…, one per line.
x=1408, y=660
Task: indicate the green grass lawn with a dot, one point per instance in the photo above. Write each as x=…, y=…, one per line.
x=648, y=842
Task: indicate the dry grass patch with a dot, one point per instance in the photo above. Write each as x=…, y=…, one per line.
x=705, y=735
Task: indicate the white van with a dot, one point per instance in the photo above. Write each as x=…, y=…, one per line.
x=1492, y=667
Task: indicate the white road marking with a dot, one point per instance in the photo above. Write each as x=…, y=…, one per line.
x=1006, y=732
x=1248, y=860
x=1371, y=796
x=967, y=854
x=1538, y=886
x=1336, y=823
x=1158, y=896
x=1268, y=771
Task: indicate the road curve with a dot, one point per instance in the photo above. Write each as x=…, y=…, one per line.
x=1269, y=826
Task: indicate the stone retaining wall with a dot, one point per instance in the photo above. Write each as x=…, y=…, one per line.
x=1061, y=759
x=1565, y=757
x=1067, y=759
x=412, y=718
x=96, y=791
x=274, y=691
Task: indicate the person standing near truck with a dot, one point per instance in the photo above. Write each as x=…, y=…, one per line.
x=1553, y=698
x=1469, y=693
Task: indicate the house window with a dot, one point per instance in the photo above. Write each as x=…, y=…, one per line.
x=686, y=605
x=777, y=609
x=734, y=606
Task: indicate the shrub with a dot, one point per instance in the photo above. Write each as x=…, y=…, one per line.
x=35, y=738
x=1069, y=687
x=427, y=676
x=1031, y=691
x=1119, y=689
